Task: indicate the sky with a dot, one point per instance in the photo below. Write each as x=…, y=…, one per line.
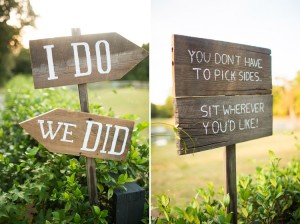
x=272, y=24
x=130, y=18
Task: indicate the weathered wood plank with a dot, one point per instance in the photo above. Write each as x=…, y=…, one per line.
x=230, y=180
x=90, y=162
x=211, y=122
x=78, y=133
x=82, y=59
x=203, y=67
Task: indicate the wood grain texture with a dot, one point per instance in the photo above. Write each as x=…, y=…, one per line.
x=78, y=133
x=83, y=98
x=90, y=162
x=230, y=180
x=203, y=67
x=211, y=122
x=124, y=56
x=91, y=180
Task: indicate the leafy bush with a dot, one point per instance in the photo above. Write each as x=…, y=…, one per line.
x=202, y=209
x=37, y=186
x=271, y=196
x=22, y=62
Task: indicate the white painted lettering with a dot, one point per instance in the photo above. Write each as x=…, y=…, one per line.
x=206, y=74
x=50, y=131
x=243, y=108
x=76, y=59
x=205, y=126
x=114, y=142
x=50, y=62
x=206, y=59
x=231, y=125
x=224, y=59
x=224, y=127
x=200, y=56
x=252, y=62
x=99, y=59
x=66, y=132
x=238, y=59
x=191, y=54
x=197, y=69
x=216, y=109
x=204, y=111
x=108, y=126
x=215, y=128
x=87, y=136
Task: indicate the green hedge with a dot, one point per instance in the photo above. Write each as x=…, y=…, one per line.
x=37, y=186
x=272, y=195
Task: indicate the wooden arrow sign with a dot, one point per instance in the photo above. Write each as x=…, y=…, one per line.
x=78, y=133
x=82, y=59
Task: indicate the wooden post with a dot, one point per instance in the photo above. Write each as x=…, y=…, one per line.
x=230, y=180
x=90, y=162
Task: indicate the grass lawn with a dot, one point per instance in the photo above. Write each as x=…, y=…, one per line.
x=126, y=100
x=180, y=176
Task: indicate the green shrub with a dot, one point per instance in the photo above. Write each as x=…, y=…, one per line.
x=272, y=195
x=203, y=208
x=37, y=186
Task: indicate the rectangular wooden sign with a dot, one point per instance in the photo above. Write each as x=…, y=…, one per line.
x=211, y=122
x=203, y=67
x=78, y=133
x=82, y=59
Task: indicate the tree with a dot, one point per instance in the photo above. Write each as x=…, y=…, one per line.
x=141, y=71
x=280, y=105
x=164, y=111
x=296, y=90
x=154, y=111
x=22, y=62
x=10, y=38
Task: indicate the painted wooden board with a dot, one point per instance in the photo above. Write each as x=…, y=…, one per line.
x=203, y=67
x=211, y=122
x=82, y=59
x=77, y=133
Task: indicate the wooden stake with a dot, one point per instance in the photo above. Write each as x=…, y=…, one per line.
x=230, y=180
x=90, y=162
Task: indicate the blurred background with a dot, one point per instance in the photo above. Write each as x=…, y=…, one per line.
x=268, y=24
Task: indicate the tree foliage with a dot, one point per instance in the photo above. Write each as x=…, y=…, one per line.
x=287, y=98
x=23, y=15
x=22, y=62
x=296, y=87
x=141, y=71
x=164, y=111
